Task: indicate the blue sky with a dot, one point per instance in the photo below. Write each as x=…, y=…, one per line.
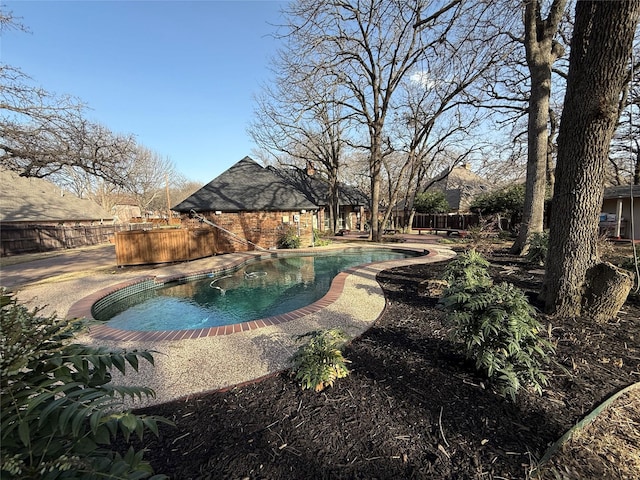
x=179, y=75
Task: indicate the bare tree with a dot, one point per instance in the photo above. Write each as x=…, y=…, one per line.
x=624, y=156
x=438, y=119
x=575, y=282
x=40, y=133
x=368, y=49
x=303, y=121
x=542, y=50
x=147, y=177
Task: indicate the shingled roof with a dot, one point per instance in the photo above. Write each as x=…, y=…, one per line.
x=35, y=200
x=624, y=191
x=317, y=190
x=248, y=187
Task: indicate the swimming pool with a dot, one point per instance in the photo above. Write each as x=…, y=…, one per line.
x=256, y=290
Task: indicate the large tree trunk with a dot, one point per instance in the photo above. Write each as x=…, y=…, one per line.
x=541, y=51
x=600, y=51
x=533, y=212
x=606, y=289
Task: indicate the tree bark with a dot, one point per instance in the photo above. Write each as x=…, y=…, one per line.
x=606, y=289
x=600, y=52
x=541, y=52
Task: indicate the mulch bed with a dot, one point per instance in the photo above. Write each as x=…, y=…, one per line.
x=413, y=406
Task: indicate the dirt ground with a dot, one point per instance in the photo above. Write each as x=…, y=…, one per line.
x=414, y=408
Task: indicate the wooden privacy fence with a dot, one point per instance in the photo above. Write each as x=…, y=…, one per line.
x=453, y=222
x=164, y=245
x=425, y=221
x=19, y=239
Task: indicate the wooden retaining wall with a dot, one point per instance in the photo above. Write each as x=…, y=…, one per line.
x=164, y=245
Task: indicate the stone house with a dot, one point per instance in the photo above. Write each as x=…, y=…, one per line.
x=251, y=203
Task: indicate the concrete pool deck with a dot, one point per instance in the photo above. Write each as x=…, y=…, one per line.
x=196, y=363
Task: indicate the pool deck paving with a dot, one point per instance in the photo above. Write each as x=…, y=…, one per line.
x=193, y=362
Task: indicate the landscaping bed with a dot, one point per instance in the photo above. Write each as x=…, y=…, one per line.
x=413, y=406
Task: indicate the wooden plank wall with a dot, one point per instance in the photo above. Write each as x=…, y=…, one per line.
x=164, y=246
x=20, y=239
x=461, y=222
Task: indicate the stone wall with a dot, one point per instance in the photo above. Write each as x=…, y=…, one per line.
x=261, y=228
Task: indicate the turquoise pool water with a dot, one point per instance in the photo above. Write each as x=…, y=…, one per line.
x=258, y=290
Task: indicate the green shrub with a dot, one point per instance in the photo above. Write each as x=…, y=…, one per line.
x=289, y=238
x=320, y=238
x=59, y=410
x=431, y=202
x=497, y=326
x=319, y=362
x=468, y=269
x=538, y=248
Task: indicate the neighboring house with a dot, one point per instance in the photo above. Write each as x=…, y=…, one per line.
x=460, y=187
x=126, y=210
x=620, y=206
x=253, y=203
x=36, y=215
x=36, y=201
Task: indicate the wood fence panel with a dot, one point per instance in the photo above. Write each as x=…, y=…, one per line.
x=142, y=247
x=443, y=221
x=20, y=239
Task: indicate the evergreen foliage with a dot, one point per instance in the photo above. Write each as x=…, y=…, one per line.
x=59, y=410
x=538, y=248
x=431, y=202
x=497, y=326
x=289, y=239
x=508, y=201
x=319, y=362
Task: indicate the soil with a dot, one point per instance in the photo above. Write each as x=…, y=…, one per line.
x=413, y=407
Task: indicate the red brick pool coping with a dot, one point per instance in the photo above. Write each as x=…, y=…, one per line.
x=82, y=309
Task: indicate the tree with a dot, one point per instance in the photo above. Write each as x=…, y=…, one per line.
x=505, y=201
x=624, y=155
x=542, y=50
x=368, y=49
x=42, y=133
x=431, y=202
x=600, y=53
x=437, y=116
x=148, y=175
x=304, y=121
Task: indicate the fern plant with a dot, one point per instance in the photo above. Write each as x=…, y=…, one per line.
x=498, y=328
x=319, y=362
x=538, y=248
x=469, y=269
x=59, y=411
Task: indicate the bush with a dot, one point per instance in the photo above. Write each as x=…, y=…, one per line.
x=289, y=238
x=538, y=248
x=319, y=363
x=431, y=202
x=468, y=270
x=496, y=325
x=320, y=238
x=60, y=411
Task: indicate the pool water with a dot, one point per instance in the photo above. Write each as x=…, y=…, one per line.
x=258, y=290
